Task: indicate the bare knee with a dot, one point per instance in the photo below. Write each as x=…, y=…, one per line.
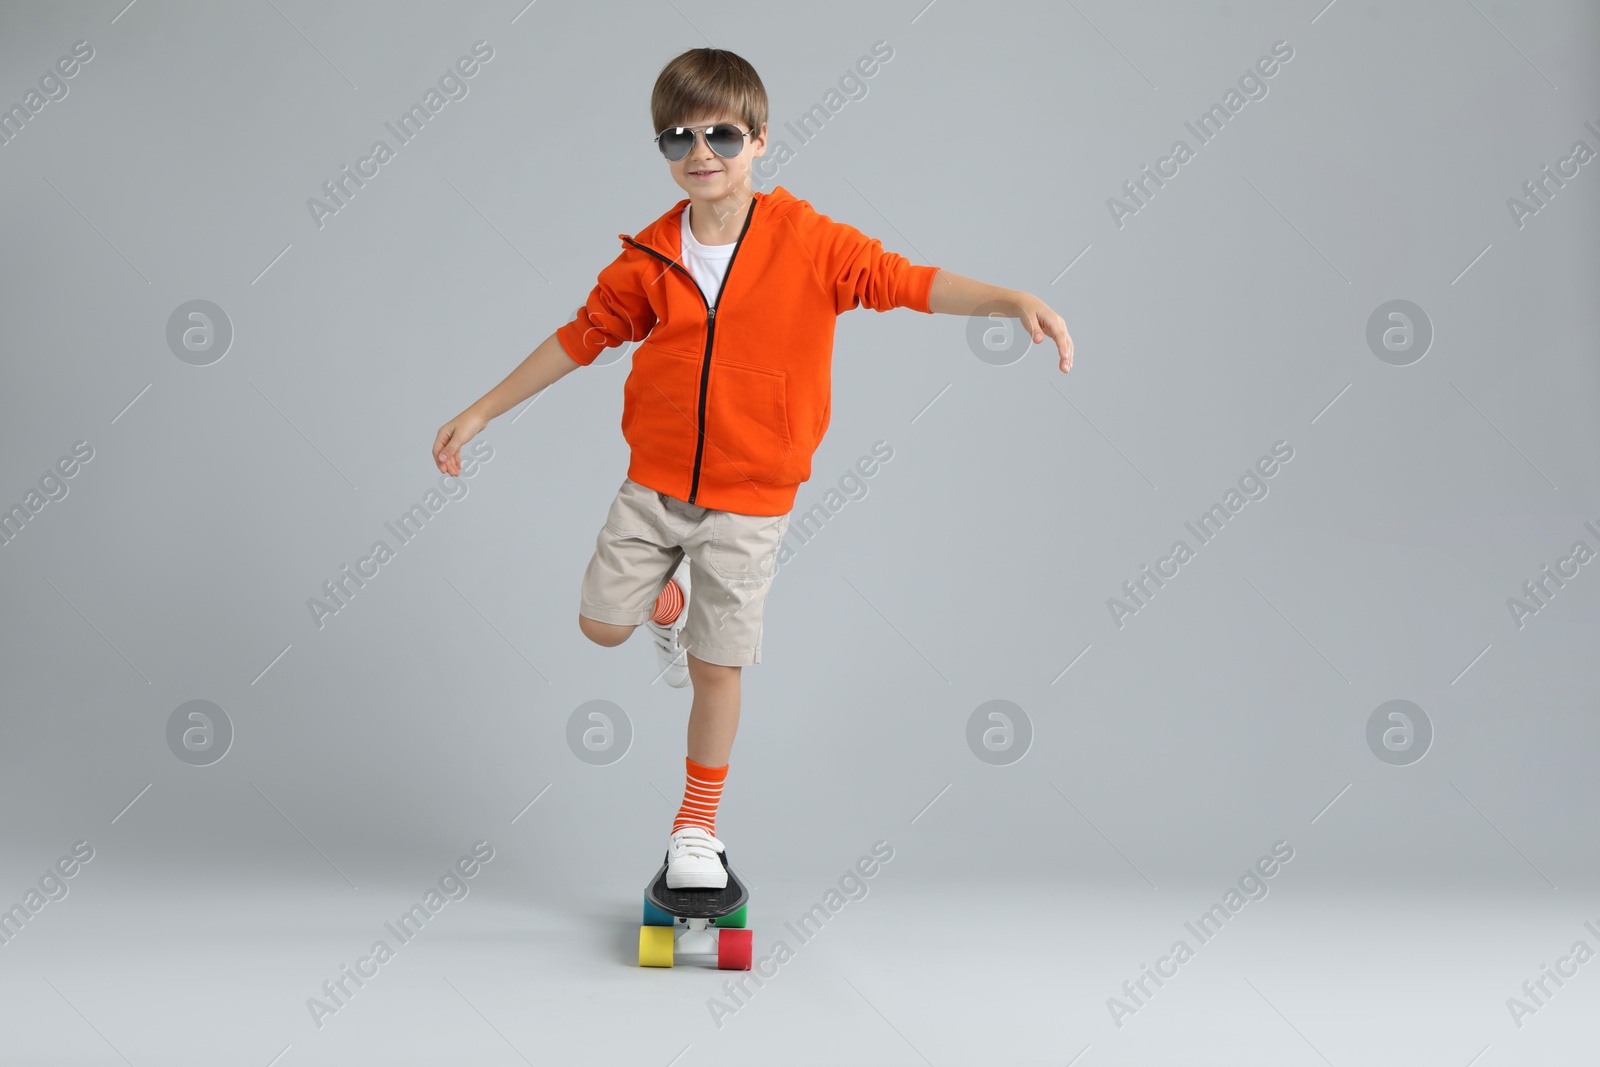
x=706, y=675
x=603, y=633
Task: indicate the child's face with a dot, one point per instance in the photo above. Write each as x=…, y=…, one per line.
x=722, y=178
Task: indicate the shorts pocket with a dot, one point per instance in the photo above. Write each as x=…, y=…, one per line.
x=744, y=548
x=630, y=514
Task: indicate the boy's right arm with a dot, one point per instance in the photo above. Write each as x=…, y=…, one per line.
x=618, y=310
x=543, y=367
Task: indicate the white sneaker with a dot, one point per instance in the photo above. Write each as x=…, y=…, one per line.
x=694, y=860
x=670, y=653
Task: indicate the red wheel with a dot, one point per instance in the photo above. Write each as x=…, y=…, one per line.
x=734, y=950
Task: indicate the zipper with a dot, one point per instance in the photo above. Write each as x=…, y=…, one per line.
x=711, y=330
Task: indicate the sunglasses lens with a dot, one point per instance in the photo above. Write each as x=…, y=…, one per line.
x=676, y=142
x=725, y=140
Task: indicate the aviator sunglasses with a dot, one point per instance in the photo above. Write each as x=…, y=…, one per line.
x=723, y=138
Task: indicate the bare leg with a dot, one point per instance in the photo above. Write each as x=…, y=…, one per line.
x=714, y=715
x=603, y=633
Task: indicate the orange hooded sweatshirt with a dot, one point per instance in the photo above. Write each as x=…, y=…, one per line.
x=727, y=400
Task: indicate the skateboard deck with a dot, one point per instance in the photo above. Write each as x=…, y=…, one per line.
x=697, y=903
x=695, y=921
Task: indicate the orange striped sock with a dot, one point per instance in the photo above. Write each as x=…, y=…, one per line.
x=700, y=795
x=669, y=603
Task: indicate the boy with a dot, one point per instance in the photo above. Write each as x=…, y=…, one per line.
x=734, y=296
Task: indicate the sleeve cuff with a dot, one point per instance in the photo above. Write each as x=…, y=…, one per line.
x=571, y=343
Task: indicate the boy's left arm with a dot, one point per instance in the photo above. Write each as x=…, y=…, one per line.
x=953, y=294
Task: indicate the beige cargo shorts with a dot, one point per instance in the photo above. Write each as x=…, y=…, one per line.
x=732, y=559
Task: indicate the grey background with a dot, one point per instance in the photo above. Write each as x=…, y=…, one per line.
x=1228, y=314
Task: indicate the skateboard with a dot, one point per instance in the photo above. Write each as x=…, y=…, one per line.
x=695, y=921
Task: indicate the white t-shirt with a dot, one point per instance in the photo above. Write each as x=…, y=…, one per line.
x=708, y=263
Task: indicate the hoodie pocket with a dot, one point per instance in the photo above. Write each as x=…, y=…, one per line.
x=659, y=400
x=747, y=424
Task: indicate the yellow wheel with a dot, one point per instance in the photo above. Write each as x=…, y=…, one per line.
x=655, y=946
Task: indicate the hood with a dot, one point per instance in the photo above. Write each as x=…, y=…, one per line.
x=665, y=234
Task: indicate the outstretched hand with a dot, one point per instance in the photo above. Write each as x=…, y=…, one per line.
x=451, y=436
x=1040, y=321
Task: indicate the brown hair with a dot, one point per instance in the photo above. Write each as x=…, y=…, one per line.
x=707, y=81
